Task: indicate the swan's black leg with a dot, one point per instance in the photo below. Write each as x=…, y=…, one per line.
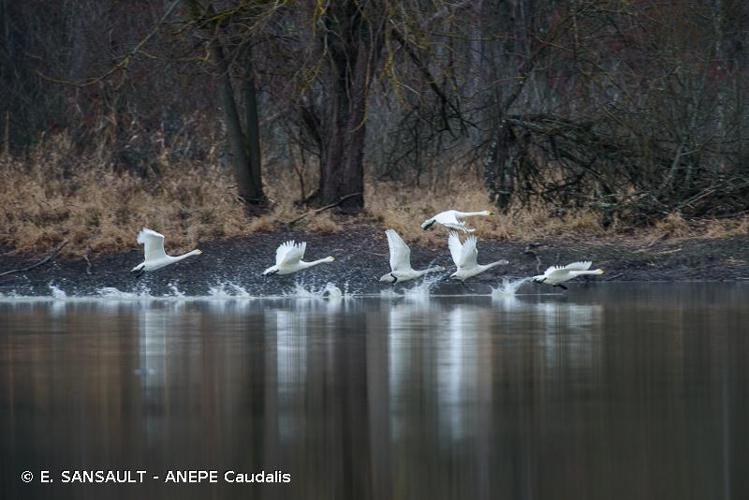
x=562, y=286
x=395, y=278
x=139, y=273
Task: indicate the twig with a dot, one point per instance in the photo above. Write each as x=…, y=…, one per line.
x=124, y=62
x=651, y=243
x=46, y=259
x=326, y=207
x=88, y=263
x=6, y=136
x=666, y=252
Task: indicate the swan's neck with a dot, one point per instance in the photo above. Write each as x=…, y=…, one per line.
x=470, y=214
x=186, y=255
x=493, y=264
x=306, y=265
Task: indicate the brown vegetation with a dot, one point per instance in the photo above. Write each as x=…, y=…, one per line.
x=623, y=111
x=57, y=194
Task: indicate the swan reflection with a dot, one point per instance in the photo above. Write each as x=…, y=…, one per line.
x=457, y=369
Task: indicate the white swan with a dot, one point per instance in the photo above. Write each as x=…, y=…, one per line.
x=556, y=275
x=289, y=259
x=451, y=220
x=155, y=256
x=465, y=257
x=400, y=261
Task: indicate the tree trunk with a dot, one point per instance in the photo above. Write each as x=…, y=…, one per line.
x=239, y=160
x=252, y=129
x=244, y=151
x=499, y=171
x=351, y=53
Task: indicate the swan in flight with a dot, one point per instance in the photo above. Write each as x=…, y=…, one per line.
x=155, y=256
x=289, y=259
x=556, y=275
x=451, y=219
x=400, y=261
x=464, y=255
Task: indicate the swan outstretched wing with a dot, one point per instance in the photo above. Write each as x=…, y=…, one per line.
x=290, y=252
x=451, y=221
x=153, y=244
x=400, y=254
x=469, y=254
x=575, y=266
x=455, y=246
x=579, y=266
x=551, y=269
x=460, y=226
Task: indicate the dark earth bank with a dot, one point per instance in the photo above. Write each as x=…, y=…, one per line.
x=362, y=257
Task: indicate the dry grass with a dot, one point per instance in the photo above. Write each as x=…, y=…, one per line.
x=54, y=194
x=676, y=227
x=402, y=211
x=98, y=210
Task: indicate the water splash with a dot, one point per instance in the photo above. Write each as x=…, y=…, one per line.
x=419, y=291
x=332, y=292
x=176, y=291
x=389, y=293
x=229, y=290
x=508, y=288
x=225, y=290
x=302, y=291
x=110, y=292
x=57, y=293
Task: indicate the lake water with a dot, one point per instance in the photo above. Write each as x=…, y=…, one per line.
x=611, y=391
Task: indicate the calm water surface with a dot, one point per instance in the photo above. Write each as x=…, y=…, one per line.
x=614, y=391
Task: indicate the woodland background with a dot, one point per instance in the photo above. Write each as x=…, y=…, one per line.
x=216, y=118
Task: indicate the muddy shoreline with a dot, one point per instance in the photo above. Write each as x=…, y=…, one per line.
x=362, y=256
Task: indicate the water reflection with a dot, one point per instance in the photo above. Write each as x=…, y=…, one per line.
x=608, y=392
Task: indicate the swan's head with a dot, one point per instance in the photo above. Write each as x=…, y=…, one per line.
x=487, y=213
x=197, y=251
x=427, y=224
x=454, y=276
x=388, y=278
x=270, y=270
x=538, y=279
x=329, y=259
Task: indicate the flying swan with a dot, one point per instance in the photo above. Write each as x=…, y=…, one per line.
x=556, y=275
x=451, y=220
x=400, y=261
x=464, y=255
x=289, y=259
x=155, y=256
